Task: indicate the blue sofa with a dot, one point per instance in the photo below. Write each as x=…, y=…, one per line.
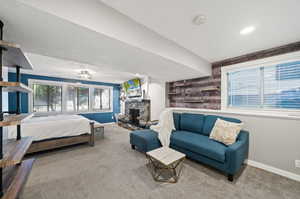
x=191, y=137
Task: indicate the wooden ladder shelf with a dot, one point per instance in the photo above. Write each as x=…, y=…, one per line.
x=14, y=151
x=13, y=55
x=14, y=119
x=15, y=87
x=15, y=178
x=13, y=169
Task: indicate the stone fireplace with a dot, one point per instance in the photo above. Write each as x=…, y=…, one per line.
x=137, y=113
x=134, y=116
x=142, y=105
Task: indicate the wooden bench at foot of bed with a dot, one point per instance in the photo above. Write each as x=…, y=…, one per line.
x=43, y=145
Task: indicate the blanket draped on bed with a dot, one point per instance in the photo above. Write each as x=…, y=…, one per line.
x=165, y=127
x=48, y=127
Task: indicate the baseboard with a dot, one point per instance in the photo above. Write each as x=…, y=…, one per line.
x=271, y=169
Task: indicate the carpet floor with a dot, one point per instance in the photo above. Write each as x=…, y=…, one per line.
x=112, y=170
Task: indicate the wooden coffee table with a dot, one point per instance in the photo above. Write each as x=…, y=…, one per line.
x=165, y=164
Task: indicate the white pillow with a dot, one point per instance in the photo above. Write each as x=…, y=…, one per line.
x=225, y=132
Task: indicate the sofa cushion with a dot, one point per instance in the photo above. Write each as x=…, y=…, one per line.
x=200, y=144
x=210, y=120
x=225, y=132
x=192, y=122
x=176, y=118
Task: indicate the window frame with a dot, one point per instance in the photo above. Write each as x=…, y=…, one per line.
x=93, y=100
x=64, y=86
x=61, y=96
x=77, y=96
x=266, y=62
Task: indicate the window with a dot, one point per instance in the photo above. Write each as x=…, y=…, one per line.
x=51, y=96
x=105, y=98
x=244, y=88
x=274, y=86
x=71, y=98
x=77, y=98
x=101, y=99
x=83, y=99
x=282, y=86
x=47, y=98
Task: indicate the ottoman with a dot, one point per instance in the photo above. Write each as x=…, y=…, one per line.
x=144, y=140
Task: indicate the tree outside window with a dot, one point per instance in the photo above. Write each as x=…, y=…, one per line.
x=47, y=98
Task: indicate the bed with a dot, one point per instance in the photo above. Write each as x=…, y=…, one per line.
x=56, y=131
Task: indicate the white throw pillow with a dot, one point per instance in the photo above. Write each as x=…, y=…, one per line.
x=225, y=132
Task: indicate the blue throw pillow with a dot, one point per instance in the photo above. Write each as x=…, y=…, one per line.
x=210, y=121
x=192, y=122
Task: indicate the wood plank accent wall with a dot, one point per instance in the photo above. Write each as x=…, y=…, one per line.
x=205, y=92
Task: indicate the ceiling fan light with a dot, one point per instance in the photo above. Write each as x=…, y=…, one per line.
x=84, y=74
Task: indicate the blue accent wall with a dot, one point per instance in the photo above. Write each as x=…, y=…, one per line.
x=100, y=117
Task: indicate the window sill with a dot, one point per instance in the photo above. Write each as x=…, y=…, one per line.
x=265, y=114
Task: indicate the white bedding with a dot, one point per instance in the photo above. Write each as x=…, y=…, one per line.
x=41, y=128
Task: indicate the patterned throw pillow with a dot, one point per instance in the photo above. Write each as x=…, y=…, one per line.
x=225, y=132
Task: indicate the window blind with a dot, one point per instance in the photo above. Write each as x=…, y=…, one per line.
x=244, y=88
x=282, y=86
x=268, y=87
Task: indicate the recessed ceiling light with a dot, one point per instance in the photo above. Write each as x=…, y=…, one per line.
x=199, y=19
x=247, y=30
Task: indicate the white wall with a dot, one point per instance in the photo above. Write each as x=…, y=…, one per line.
x=157, y=97
x=155, y=91
x=274, y=141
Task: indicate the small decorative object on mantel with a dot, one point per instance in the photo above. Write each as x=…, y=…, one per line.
x=144, y=94
x=122, y=95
